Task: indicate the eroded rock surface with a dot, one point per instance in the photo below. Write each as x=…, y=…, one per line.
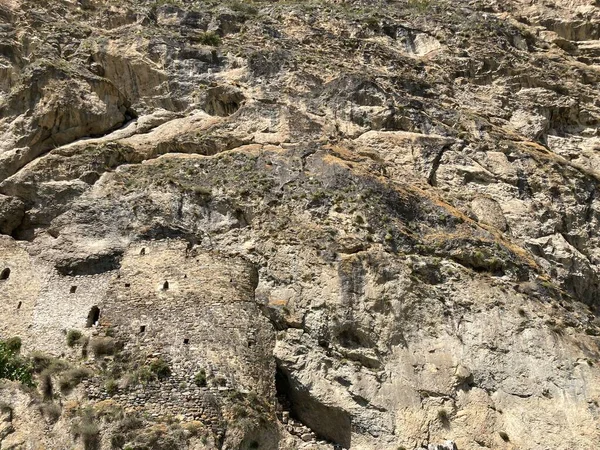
x=360, y=225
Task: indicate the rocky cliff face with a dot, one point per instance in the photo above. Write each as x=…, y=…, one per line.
x=285, y=225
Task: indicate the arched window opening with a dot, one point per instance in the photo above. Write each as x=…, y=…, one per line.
x=93, y=317
x=142, y=252
x=165, y=285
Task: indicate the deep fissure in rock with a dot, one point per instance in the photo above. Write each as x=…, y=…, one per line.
x=327, y=422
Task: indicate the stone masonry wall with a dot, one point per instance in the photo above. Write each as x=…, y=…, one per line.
x=196, y=311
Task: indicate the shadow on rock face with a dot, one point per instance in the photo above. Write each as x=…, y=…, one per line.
x=91, y=265
x=327, y=422
x=223, y=101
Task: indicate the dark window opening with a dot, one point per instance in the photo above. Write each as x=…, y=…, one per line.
x=73, y=289
x=165, y=285
x=93, y=317
x=19, y=305
x=127, y=284
x=143, y=329
x=186, y=341
x=5, y=274
x=142, y=252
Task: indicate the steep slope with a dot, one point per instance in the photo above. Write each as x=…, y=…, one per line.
x=369, y=225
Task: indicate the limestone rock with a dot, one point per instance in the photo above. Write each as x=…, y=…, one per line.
x=300, y=225
x=12, y=211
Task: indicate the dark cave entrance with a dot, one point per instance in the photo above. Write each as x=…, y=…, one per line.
x=93, y=317
x=327, y=422
x=5, y=274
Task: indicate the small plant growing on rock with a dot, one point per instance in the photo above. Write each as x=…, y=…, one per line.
x=88, y=431
x=12, y=366
x=46, y=387
x=73, y=337
x=160, y=368
x=443, y=417
x=144, y=375
x=419, y=5
x=40, y=361
x=194, y=428
x=103, y=346
x=51, y=411
x=209, y=38
x=200, y=378
x=243, y=7
x=111, y=386
x=72, y=378
x=14, y=344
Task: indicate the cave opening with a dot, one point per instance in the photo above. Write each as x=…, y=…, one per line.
x=73, y=289
x=223, y=101
x=5, y=274
x=329, y=423
x=93, y=317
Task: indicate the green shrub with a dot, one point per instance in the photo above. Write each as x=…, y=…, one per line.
x=103, y=346
x=160, y=368
x=14, y=344
x=244, y=8
x=209, y=38
x=443, y=417
x=130, y=423
x=111, y=386
x=40, y=361
x=73, y=337
x=194, y=428
x=200, y=378
x=144, y=375
x=89, y=433
x=46, y=387
x=12, y=367
x=72, y=378
x=51, y=411
x=420, y=5
x=117, y=440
